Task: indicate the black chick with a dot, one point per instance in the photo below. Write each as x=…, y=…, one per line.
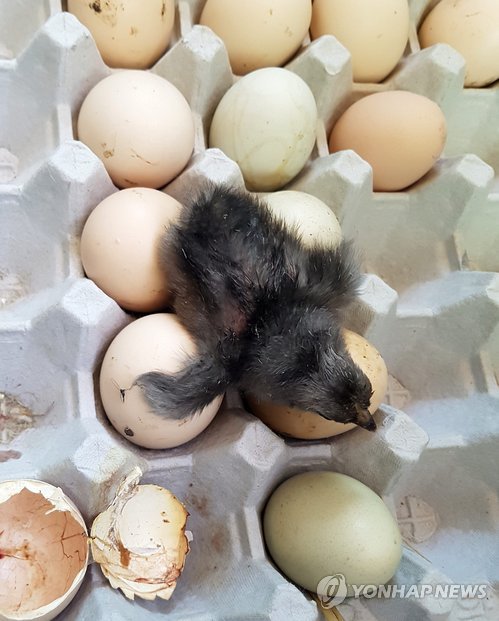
x=264, y=310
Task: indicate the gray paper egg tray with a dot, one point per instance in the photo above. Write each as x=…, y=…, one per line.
x=430, y=304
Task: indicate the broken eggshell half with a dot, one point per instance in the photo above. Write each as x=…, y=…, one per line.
x=140, y=541
x=43, y=550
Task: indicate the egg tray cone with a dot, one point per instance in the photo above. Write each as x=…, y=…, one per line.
x=429, y=303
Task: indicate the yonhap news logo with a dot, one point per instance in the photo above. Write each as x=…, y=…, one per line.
x=333, y=590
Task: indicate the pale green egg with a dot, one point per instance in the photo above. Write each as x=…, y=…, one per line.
x=319, y=524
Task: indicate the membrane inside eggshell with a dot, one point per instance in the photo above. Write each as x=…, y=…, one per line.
x=140, y=541
x=42, y=552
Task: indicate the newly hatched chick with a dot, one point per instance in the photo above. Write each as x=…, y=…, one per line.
x=264, y=310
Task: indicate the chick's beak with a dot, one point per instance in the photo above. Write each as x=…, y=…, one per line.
x=364, y=419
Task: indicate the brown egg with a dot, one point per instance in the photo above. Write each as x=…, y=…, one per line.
x=258, y=33
x=128, y=33
x=375, y=33
x=400, y=134
x=310, y=426
x=471, y=27
x=120, y=247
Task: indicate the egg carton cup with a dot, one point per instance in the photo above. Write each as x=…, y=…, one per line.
x=424, y=303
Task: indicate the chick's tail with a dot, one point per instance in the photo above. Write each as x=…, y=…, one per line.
x=182, y=394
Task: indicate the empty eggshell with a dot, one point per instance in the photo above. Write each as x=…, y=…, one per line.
x=266, y=122
x=120, y=247
x=313, y=221
x=140, y=126
x=319, y=524
x=375, y=32
x=140, y=540
x=258, y=33
x=472, y=28
x=44, y=550
x=400, y=134
x=310, y=426
x=152, y=343
x=128, y=33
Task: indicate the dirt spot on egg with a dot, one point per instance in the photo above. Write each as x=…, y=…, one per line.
x=95, y=6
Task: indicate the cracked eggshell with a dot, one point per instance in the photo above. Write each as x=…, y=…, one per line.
x=153, y=343
x=310, y=426
x=259, y=33
x=140, y=541
x=43, y=550
x=314, y=222
x=128, y=33
x=120, y=247
x=266, y=122
x=140, y=126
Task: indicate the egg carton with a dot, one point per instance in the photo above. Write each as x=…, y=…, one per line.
x=424, y=304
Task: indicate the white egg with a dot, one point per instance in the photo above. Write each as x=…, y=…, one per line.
x=318, y=524
x=266, y=122
x=140, y=126
x=152, y=343
x=314, y=222
x=44, y=550
x=128, y=33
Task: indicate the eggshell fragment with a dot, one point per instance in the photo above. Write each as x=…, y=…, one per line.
x=120, y=246
x=153, y=343
x=312, y=220
x=400, y=134
x=140, y=541
x=375, y=32
x=128, y=33
x=43, y=550
x=266, y=122
x=140, y=126
x=310, y=426
x=319, y=524
x=258, y=33
x=472, y=28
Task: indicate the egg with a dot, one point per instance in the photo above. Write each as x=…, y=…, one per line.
x=374, y=32
x=140, y=126
x=472, y=28
x=310, y=426
x=153, y=343
x=312, y=220
x=318, y=524
x=43, y=550
x=400, y=134
x=120, y=246
x=258, y=33
x=128, y=33
x=140, y=541
x=266, y=122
